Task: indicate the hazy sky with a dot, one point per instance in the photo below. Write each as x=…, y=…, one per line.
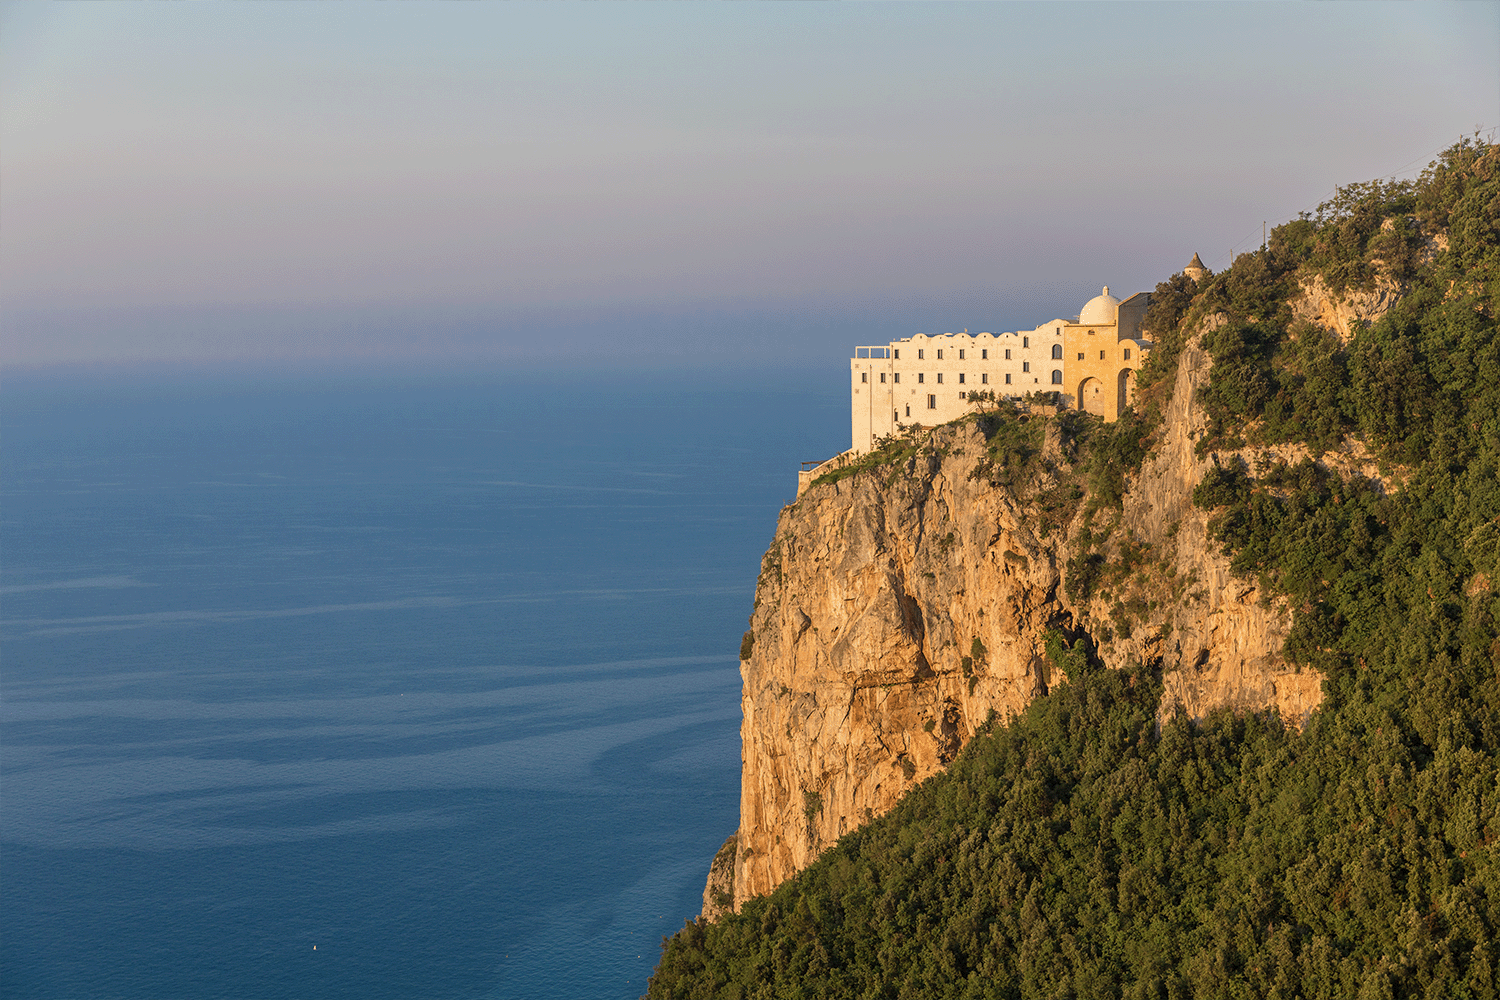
x=678, y=181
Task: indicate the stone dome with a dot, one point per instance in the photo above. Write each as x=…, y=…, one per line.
x=1099, y=310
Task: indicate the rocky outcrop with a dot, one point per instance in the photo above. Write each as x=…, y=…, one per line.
x=1219, y=637
x=862, y=677
x=718, y=894
x=899, y=608
x=1343, y=313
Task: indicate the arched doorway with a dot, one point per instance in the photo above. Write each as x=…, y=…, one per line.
x=1093, y=399
x=1127, y=389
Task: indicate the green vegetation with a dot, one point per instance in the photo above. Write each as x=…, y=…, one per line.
x=893, y=449
x=1077, y=853
x=1084, y=570
x=723, y=897
x=1114, y=449
x=1013, y=440
x=1164, y=328
x=1410, y=382
x=812, y=804
x=1081, y=852
x=1392, y=590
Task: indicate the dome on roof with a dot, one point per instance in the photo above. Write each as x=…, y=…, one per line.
x=1099, y=310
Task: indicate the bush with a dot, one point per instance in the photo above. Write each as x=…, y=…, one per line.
x=1083, y=573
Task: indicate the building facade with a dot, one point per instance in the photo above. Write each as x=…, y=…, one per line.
x=927, y=379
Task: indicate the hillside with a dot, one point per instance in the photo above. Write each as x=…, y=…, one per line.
x=1202, y=702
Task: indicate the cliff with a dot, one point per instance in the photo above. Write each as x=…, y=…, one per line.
x=899, y=607
x=1307, y=478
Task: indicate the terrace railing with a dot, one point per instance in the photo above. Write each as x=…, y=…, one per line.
x=805, y=476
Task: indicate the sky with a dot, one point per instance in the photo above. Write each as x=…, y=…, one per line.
x=664, y=184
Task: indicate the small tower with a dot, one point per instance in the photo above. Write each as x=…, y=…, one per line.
x=1195, y=269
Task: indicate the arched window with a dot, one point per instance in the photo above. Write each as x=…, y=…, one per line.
x=1057, y=376
x=1057, y=352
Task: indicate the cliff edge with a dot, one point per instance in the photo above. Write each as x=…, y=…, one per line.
x=1306, y=477
x=900, y=606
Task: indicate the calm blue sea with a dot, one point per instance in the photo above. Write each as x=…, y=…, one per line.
x=375, y=684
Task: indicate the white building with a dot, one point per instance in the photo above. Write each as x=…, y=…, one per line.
x=1090, y=361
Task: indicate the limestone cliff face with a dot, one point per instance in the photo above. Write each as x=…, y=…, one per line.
x=898, y=608
x=718, y=893
x=1217, y=637
x=1342, y=314
x=869, y=599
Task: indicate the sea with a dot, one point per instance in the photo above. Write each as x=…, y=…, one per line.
x=375, y=682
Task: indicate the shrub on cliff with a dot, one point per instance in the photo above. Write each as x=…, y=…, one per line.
x=1163, y=327
x=1013, y=440
x=891, y=450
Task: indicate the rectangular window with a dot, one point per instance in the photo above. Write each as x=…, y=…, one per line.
x=984, y=354
x=882, y=376
x=940, y=354
x=896, y=377
x=864, y=376
x=921, y=378
x=960, y=378
x=984, y=379
x=960, y=354
x=932, y=402
x=1080, y=355
x=1101, y=355
x=896, y=354
x=1025, y=341
x=1026, y=366
x=908, y=410
x=1127, y=354
x=940, y=378
x=1007, y=354
x=1007, y=378
x=921, y=354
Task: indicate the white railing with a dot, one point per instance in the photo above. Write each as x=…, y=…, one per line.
x=805, y=476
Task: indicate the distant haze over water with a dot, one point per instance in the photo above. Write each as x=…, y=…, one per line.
x=375, y=684
x=537, y=181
